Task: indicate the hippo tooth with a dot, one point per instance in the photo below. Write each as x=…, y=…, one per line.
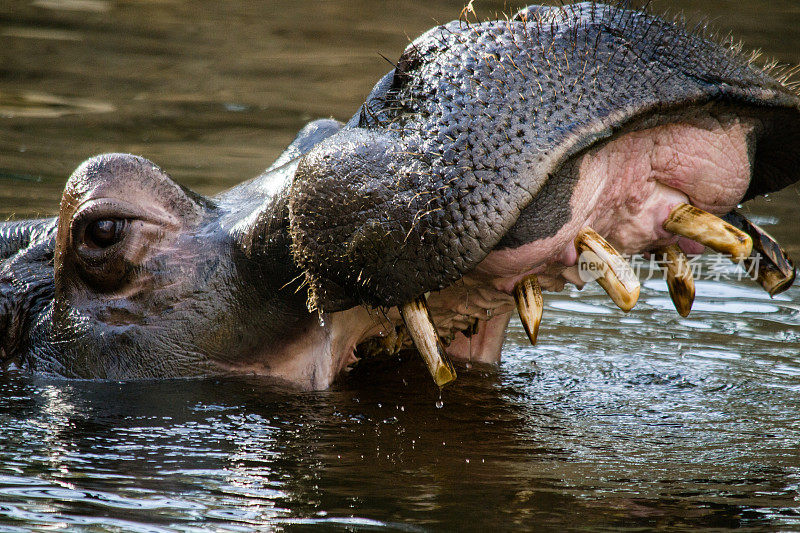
x=599, y=260
x=709, y=230
x=679, y=278
x=528, y=296
x=419, y=324
x=770, y=265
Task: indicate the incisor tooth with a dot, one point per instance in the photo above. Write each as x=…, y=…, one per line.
x=528, y=295
x=602, y=262
x=679, y=278
x=770, y=265
x=419, y=324
x=709, y=230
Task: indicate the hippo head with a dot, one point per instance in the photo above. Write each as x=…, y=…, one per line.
x=478, y=171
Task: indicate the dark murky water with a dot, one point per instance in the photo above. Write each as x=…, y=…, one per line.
x=613, y=422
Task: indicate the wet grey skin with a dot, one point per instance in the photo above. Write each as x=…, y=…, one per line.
x=472, y=145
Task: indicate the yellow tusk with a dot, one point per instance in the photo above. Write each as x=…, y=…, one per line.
x=600, y=260
x=530, y=305
x=419, y=324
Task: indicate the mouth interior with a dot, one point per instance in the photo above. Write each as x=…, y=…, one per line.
x=624, y=188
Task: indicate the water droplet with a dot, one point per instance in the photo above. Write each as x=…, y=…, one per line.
x=439, y=403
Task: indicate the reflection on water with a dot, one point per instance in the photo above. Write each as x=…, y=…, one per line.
x=612, y=422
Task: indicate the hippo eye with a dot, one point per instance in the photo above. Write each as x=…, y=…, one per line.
x=105, y=232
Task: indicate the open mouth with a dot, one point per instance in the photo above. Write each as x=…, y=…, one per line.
x=659, y=186
x=511, y=157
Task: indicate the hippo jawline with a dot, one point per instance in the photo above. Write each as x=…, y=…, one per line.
x=468, y=181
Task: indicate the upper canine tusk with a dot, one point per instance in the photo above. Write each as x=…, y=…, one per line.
x=601, y=261
x=709, y=230
x=770, y=265
x=419, y=324
x=530, y=305
x=679, y=278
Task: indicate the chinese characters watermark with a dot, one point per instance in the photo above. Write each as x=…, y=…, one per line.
x=712, y=267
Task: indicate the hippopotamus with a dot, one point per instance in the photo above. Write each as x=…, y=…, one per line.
x=496, y=160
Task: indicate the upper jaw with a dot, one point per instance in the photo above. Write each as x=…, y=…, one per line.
x=367, y=227
x=626, y=200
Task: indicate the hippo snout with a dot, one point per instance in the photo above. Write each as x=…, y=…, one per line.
x=491, y=146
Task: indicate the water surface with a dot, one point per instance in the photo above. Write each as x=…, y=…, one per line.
x=613, y=422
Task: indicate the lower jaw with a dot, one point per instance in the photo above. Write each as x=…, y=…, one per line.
x=471, y=316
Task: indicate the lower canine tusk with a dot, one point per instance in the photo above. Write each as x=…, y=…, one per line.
x=769, y=264
x=420, y=327
x=679, y=278
x=530, y=305
x=599, y=260
x=709, y=230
